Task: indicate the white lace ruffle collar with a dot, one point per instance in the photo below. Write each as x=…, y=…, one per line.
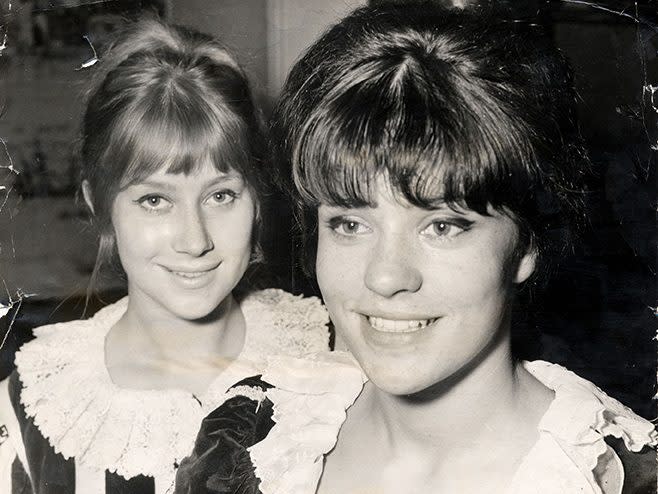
x=310, y=403
x=68, y=392
x=310, y=398
x=574, y=429
x=582, y=414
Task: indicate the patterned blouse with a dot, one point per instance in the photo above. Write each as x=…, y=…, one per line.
x=290, y=417
x=65, y=427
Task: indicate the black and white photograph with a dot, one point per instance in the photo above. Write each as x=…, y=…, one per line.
x=328, y=247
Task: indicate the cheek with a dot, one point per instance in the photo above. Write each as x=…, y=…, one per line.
x=340, y=272
x=331, y=267
x=138, y=241
x=479, y=282
x=135, y=237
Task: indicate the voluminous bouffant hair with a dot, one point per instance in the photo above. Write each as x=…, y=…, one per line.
x=449, y=106
x=165, y=96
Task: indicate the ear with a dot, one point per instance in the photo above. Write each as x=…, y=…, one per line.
x=86, y=193
x=526, y=265
x=257, y=216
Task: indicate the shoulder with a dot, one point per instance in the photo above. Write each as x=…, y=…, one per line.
x=62, y=368
x=73, y=333
x=280, y=322
x=582, y=423
x=59, y=349
x=581, y=408
x=9, y=401
x=12, y=420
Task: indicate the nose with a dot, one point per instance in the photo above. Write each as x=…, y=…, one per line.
x=392, y=269
x=192, y=236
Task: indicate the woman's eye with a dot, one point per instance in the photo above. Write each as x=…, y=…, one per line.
x=444, y=229
x=348, y=227
x=223, y=197
x=154, y=202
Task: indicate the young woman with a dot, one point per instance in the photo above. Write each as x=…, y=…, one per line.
x=174, y=173
x=436, y=156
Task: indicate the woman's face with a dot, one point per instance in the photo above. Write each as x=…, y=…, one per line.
x=184, y=240
x=416, y=294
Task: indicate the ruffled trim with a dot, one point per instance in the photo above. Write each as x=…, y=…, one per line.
x=311, y=396
x=284, y=323
x=310, y=399
x=83, y=414
x=581, y=416
x=74, y=403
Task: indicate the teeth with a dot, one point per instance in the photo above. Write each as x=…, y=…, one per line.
x=398, y=326
x=189, y=275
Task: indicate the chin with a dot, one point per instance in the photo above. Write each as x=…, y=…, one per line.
x=397, y=383
x=192, y=314
x=405, y=379
x=396, y=388
x=191, y=310
x=416, y=389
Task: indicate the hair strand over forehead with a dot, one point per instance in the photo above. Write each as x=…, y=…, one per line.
x=447, y=105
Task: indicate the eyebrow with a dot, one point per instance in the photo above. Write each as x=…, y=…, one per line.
x=229, y=177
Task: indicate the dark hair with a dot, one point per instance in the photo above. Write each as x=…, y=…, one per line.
x=167, y=96
x=450, y=105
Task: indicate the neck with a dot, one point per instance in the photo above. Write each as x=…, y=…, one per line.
x=472, y=409
x=151, y=334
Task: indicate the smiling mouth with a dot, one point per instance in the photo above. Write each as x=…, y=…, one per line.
x=191, y=275
x=399, y=325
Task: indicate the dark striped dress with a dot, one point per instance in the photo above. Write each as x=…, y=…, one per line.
x=66, y=428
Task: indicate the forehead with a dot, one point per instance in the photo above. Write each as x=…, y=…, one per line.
x=201, y=176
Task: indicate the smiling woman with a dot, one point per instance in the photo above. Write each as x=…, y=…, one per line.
x=174, y=176
x=184, y=240
x=429, y=287
x=439, y=172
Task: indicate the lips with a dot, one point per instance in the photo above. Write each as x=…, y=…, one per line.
x=190, y=270
x=194, y=277
x=399, y=325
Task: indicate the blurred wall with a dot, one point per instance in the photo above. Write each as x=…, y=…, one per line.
x=292, y=26
x=267, y=36
x=240, y=24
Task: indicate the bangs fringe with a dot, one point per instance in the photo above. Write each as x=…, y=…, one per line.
x=434, y=141
x=181, y=138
